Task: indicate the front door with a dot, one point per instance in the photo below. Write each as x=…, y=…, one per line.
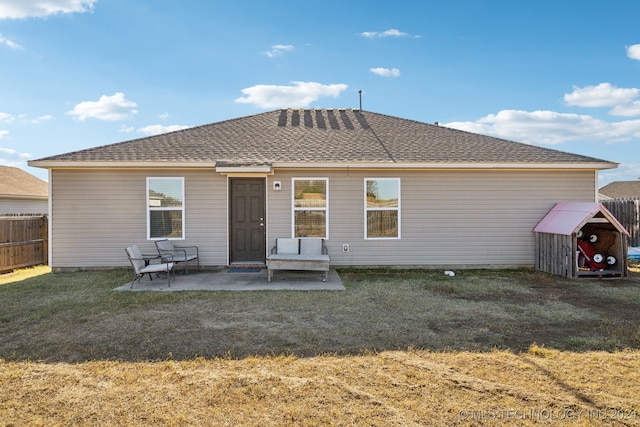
x=247, y=220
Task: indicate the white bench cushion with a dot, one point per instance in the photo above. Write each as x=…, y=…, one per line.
x=310, y=246
x=287, y=246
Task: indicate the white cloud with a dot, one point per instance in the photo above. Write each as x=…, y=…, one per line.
x=9, y=118
x=279, y=49
x=6, y=118
x=621, y=173
x=158, y=129
x=11, y=157
x=633, y=51
x=126, y=129
x=388, y=33
x=627, y=110
x=623, y=100
x=549, y=127
x=602, y=95
x=300, y=94
x=163, y=116
x=13, y=153
x=18, y=9
x=386, y=72
x=9, y=43
x=40, y=119
x=114, y=107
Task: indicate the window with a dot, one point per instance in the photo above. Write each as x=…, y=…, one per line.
x=165, y=208
x=310, y=207
x=382, y=208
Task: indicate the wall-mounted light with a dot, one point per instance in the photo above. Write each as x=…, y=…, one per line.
x=277, y=185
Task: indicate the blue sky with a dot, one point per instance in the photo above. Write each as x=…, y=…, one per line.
x=562, y=74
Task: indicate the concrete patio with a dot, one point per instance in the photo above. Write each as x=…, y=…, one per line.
x=239, y=280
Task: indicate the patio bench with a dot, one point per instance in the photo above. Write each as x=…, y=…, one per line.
x=298, y=254
x=178, y=253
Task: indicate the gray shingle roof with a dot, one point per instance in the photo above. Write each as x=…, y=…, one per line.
x=621, y=189
x=18, y=183
x=340, y=136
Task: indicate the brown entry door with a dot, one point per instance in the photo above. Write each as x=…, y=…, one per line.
x=247, y=213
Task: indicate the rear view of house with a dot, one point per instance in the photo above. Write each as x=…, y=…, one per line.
x=381, y=191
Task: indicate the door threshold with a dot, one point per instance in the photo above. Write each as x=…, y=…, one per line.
x=247, y=264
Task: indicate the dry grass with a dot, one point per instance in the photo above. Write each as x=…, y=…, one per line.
x=538, y=387
x=396, y=348
x=23, y=274
x=77, y=317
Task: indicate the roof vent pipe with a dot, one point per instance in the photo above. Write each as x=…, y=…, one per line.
x=360, y=93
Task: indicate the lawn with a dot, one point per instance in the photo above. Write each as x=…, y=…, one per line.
x=396, y=348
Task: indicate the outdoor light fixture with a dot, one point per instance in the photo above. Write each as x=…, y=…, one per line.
x=277, y=185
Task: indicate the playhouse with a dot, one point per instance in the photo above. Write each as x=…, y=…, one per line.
x=581, y=240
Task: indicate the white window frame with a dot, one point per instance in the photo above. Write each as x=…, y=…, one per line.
x=368, y=209
x=150, y=208
x=294, y=208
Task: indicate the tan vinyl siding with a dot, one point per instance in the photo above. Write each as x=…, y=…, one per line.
x=22, y=206
x=97, y=213
x=450, y=217
x=279, y=208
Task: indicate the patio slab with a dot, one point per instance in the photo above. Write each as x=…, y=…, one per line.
x=227, y=280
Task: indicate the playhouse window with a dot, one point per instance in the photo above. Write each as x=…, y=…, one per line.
x=165, y=208
x=382, y=208
x=310, y=207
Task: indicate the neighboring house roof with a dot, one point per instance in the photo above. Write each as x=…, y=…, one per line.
x=16, y=183
x=339, y=138
x=621, y=189
x=568, y=217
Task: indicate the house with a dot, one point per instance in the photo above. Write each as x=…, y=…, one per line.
x=22, y=193
x=620, y=190
x=382, y=191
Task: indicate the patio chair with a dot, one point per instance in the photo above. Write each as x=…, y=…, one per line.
x=142, y=264
x=178, y=253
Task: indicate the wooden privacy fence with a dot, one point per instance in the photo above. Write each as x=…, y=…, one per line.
x=627, y=211
x=23, y=241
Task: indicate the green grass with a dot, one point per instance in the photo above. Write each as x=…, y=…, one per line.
x=77, y=316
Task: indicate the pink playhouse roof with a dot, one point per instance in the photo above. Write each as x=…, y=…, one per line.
x=568, y=217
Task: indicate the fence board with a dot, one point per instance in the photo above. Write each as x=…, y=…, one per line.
x=23, y=241
x=627, y=212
